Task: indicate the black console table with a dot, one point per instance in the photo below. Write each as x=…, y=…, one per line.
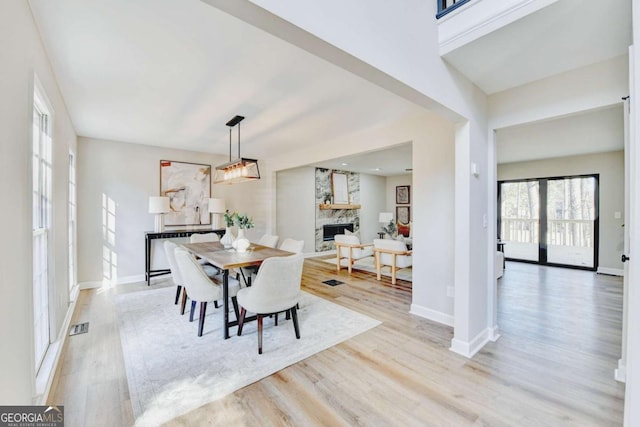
x=167, y=234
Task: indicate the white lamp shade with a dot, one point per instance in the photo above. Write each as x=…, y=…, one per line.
x=216, y=206
x=385, y=217
x=158, y=205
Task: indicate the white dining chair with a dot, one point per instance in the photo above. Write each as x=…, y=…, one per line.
x=202, y=288
x=275, y=290
x=291, y=245
x=169, y=249
x=204, y=237
x=269, y=240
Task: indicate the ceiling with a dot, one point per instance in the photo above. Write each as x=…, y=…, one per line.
x=388, y=162
x=566, y=35
x=591, y=132
x=172, y=72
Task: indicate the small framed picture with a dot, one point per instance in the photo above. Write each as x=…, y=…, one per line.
x=403, y=214
x=403, y=194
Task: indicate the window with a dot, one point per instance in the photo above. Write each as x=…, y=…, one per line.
x=72, y=222
x=41, y=188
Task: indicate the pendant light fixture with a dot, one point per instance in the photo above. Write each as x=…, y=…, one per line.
x=240, y=169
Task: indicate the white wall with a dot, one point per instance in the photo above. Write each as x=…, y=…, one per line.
x=295, y=205
x=21, y=55
x=433, y=197
x=610, y=166
x=373, y=201
x=127, y=174
x=392, y=183
x=588, y=88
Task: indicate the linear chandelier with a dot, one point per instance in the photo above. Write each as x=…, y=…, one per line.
x=240, y=169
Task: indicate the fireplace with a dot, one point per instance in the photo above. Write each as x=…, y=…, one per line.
x=330, y=230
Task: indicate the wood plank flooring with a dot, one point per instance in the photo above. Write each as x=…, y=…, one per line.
x=553, y=365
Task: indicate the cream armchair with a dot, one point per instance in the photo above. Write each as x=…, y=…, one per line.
x=393, y=253
x=348, y=248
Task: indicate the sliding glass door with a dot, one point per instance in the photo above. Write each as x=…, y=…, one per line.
x=520, y=219
x=551, y=221
x=571, y=221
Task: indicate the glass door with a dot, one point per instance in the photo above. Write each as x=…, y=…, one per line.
x=571, y=221
x=520, y=219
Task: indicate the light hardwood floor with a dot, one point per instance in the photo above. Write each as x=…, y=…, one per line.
x=553, y=365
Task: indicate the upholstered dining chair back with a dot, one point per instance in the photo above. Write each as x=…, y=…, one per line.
x=291, y=245
x=199, y=286
x=276, y=287
x=204, y=237
x=170, y=250
x=269, y=240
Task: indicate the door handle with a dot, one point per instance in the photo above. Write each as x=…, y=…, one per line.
x=624, y=258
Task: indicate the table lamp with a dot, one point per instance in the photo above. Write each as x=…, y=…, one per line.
x=216, y=207
x=159, y=206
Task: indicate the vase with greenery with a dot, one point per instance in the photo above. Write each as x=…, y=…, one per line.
x=228, y=238
x=243, y=222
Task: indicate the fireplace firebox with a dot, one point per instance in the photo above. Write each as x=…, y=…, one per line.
x=330, y=230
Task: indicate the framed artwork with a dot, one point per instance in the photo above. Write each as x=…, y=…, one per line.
x=403, y=195
x=340, y=188
x=188, y=187
x=403, y=214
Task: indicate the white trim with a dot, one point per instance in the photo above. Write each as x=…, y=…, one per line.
x=427, y=313
x=120, y=281
x=469, y=349
x=611, y=271
x=620, y=373
x=56, y=347
x=494, y=333
x=499, y=19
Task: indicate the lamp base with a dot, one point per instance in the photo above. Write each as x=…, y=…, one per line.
x=159, y=224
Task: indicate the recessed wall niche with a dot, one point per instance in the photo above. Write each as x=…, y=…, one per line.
x=334, y=216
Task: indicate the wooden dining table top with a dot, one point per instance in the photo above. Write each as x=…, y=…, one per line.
x=225, y=259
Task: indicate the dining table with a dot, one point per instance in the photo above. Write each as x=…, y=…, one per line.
x=227, y=259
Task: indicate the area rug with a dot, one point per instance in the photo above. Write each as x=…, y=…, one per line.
x=369, y=264
x=171, y=371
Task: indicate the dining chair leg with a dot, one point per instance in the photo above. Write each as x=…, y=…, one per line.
x=259, y=334
x=193, y=308
x=203, y=312
x=276, y=316
x=243, y=311
x=288, y=314
x=178, y=294
x=184, y=300
x=294, y=315
x=215, y=304
x=234, y=301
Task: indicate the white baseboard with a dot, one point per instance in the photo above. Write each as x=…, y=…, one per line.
x=494, y=333
x=436, y=316
x=620, y=374
x=610, y=271
x=469, y=349
x=120, y=281
x=56, y=347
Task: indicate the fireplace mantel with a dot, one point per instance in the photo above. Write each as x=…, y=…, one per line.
x=334, y=207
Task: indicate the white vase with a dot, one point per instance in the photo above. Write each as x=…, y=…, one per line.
x=241, y=244
x=228, y=238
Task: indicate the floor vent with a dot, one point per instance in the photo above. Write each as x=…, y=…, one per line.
x=332, y=282
x=80, y=328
